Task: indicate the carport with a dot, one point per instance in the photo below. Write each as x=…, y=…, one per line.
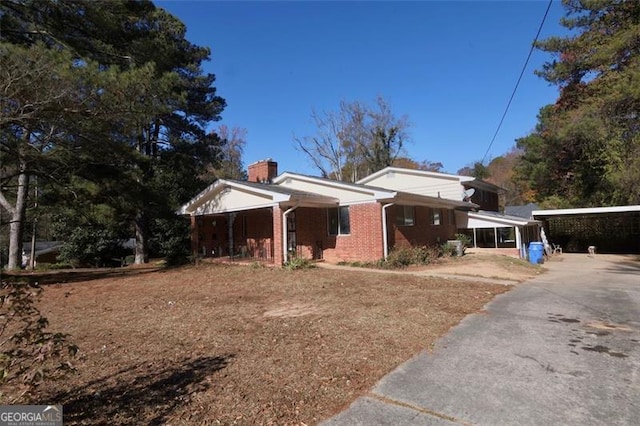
x=610, y=229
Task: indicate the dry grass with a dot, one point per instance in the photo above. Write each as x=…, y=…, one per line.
x=240, y=345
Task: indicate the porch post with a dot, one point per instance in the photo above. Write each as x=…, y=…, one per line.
x=285, y=237
x=518, y=240
x=475, y=244
x=195, y=235
x=495, y=237
x=231, y=219
x=276, y=217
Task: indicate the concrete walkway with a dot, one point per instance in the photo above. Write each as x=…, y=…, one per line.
x=560, y=349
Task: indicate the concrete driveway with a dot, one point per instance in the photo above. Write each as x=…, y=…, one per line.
x=561, y=349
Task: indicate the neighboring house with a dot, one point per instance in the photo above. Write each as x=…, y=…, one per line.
x=45, y=252
x=272, y=217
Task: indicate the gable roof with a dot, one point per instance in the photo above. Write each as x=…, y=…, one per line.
x=249, y=195
x=466, y=181
x=376, y=192
x=416, y=172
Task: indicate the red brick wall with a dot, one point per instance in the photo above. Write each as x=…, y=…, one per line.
x=422, y=232
x=364, y=242
x=278, y=257
x=253, y=234
x=262, y=171
x=311, y=232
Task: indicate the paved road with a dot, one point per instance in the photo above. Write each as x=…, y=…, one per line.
x=561, y=349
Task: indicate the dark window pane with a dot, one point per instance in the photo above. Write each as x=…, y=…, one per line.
x=332, y=221
x=344, y=221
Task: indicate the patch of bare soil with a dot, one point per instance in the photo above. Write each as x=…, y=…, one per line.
x=229, y=344
x=488, y=266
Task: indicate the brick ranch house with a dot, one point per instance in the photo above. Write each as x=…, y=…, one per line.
x=271, y=216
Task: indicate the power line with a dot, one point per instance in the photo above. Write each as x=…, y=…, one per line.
x=518, y=82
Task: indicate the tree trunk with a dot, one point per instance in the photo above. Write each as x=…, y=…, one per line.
x=16, y=228
x=141, y=251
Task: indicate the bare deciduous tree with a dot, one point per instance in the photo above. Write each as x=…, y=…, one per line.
x=234, y=140
x=356, y=140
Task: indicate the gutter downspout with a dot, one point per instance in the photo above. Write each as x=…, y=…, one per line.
x=285, y=251
x=385, y=238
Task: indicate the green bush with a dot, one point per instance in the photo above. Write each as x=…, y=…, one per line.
x=466, y=241
x=296, y=262
x=405, y=256
x=448, y=250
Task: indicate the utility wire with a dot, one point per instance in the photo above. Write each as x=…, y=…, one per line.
x=518, y=82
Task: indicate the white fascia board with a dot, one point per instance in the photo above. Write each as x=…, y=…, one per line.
x=277, y=196
x=199, y=212
x=501, y=220
x=401, y=170
x=412, y=199
x=218, y=186
x=189, y=207
x=587, y=210
x=376, y=193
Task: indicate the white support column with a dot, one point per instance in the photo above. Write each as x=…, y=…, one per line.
x=495, y=237
x=475, y=244
x=518, y=240
x=285, y=243
x=385, y=237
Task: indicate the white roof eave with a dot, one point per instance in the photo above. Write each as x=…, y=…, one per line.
x=502, y=220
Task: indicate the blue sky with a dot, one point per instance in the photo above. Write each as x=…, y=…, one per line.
x=449, y=66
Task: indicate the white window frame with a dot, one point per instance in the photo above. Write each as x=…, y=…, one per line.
x=340, y=217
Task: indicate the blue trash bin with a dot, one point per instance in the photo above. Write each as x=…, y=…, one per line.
x=536, y=252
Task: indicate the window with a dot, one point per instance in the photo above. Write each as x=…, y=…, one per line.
x=338, y=221
x=405, y=216
x=435, y=216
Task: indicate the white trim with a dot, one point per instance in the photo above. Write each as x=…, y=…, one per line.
x=416, y=172
x=196, y=212
x=195, y=205
x=501, y=220
x=285, y=243
x=588, y=210
x=377, y=193
x=385, y=237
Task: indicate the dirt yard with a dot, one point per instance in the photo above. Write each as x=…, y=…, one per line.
x=227, y=344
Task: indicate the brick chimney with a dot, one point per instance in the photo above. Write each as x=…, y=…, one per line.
x=262, y=171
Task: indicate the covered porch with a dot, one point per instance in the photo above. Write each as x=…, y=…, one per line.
x=493, y=230
x=248, y=220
